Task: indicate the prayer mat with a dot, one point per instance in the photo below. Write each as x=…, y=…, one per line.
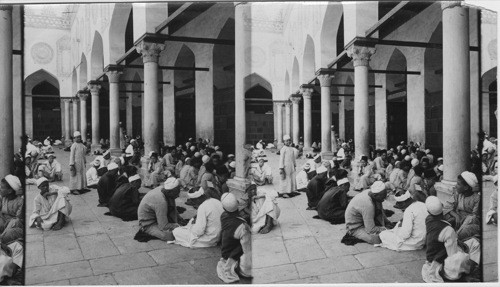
x=350, y=240
x=142, y=236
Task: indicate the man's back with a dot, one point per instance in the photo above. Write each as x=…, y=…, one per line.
x=360, y=204
x=153, y=200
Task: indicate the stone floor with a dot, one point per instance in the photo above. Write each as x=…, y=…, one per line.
x=94, y=249
x=306, y=250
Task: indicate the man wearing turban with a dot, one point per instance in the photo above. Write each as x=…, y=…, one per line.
x=12, y=216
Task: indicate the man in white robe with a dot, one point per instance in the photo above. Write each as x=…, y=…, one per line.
x=204, y=230
x=51, y=170
x=265, y=210
x=92, y=174
x=262, y=173
x=287, y=168
x=51, y=206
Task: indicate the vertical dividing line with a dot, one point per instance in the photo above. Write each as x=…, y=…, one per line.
x=23, y=131
x=480, y=136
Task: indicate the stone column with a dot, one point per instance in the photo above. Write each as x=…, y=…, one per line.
x=169, y=110
x=361, y=58
x=415, y=98
x=76, y=121
x=114, y=110
x=130, y=109
x=295, y=99
x=150, y=55
x=94, y=88
x=67, y=124
x=279, y=115
x=456, y=93
x=325, y=81
x=306, y=94
x=83, y=95
x=381, y=112
x=288, y=118
x=6, y=98
x=342, y=117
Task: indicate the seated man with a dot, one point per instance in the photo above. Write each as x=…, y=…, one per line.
x=316, y=187
x=380, y=163
x=107, y=184
x=105, y=160
x=304, y=176
x=409, y=233
x=51, y=206
x=398, y=177
x=204, y=229
x=157, y=211
x=264, y=209
x=219, y=181
x=155, y=172
x=364, y=174
x=236, y=243
x=92, y=174
x=12, y=210
x=188, y=174
x=462, y=209
x=333, y=204
x=446, y=256
x=492, y=215
x=52, y=170
x=125, y=200
x=262, y=173
x=428, y=182
x=365, y=217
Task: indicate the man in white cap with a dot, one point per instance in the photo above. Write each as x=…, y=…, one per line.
x=302, y=178
x=365, y=175
x=461, y=210
x=157, y=212
x=414, y=162
x=445, y=254
x=409, y=233
x=51, y=170
x=125, y=200
x=205, y=160
x=107, y=184
x=365, y=217
x=236, y=243
x=12, y=209
x=262, y=173
x=342, y=151
x=325, y=177
x=130, y=150
x=92, y=174
x=77, y=161
x=287, y=168
x=204, y=229
x=51, y=206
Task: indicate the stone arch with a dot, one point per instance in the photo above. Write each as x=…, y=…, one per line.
x=308, y=60
x=96, y=57
x=117, y=28
x=396, y=95
x=83, y=72
x=38, y=77
x=331, y=31
x=287, y=85
x=256, y=79
x=295, y=76
x=74, y=81
x=185, y=95
x=259, y=109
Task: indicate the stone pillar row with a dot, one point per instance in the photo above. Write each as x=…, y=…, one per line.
x=6, y=98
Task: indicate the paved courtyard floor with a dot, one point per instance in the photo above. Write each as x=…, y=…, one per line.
x=302, y=249
x=94, y=249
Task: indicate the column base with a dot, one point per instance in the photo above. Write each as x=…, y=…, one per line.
x=238, y=187
x=444, y=189
x=327, y=155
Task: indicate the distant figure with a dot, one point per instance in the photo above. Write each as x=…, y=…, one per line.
x=77, y=161
x=52, y=170
x=287, y=168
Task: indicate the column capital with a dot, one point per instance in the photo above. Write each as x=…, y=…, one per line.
x=306, y=92
x=66, y=100
x=279, y=104
x=76, y=99
x=150, y=51
x=114, y=76
x=287, y=103
x=94, y=87
x=360, y=54
x=451, y=4
x=295, y=98
x=325, y=80
x=83, y=95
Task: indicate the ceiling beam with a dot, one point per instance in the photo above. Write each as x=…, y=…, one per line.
x=135, y=82
x=415, y=44
x=352, y=85
x=174, y=15
x=386, y=17
x=170, y=68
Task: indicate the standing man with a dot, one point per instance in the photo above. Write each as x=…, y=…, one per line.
x=77, y=161
x=287, y=168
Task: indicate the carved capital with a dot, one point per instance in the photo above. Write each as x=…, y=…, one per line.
x=150, y=51
x=360, y=55
x=451, y=4
x=287, y=104
x=66, y=100
x=76, y=99
x=94, y=88
x=306, y=93
x=295, y=99
x=325, y=80
x=279, y=104
x=83, y=95
x=114, y=76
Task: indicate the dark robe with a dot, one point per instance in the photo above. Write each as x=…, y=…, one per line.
x=333, y=204
x=106, y=186
x=316, y=187
x=125, y=202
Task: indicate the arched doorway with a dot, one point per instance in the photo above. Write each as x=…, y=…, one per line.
x=332, y=33
x=185, y=108
x=223, y=77
x=396, y=100
x=259, y=109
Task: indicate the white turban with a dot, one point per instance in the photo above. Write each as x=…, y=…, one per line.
x=112, y=166
x=205, y=158
x=403, y=197
x=427, y=151
x=134, y=177
x=414, y=162
x=407, y=158
x=286, y=137
x=377, y=187
x=14, y=182
x=470, y=178
x=197, y=154
x=196, y=194
x=171, y=183
x=40, y=181
x=230, y=155
x=403, y=151
x=106, y=152
x=229, y=202
x=76, y=134
x=434, y=205
x=321, y=169
x=192, y=148
x=232, y=164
